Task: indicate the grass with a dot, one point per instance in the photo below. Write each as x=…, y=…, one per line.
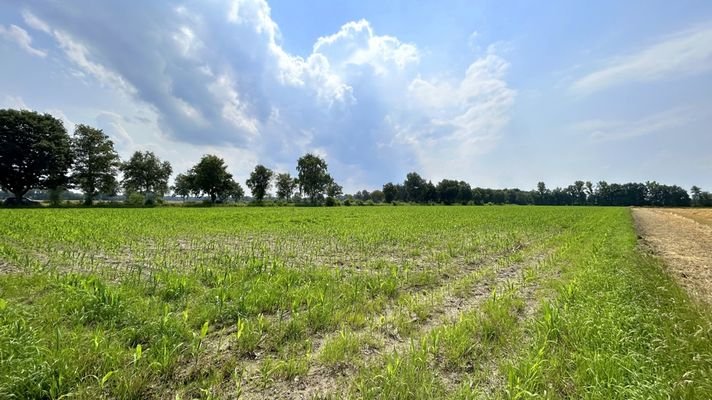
x=372, y=302
x=619, y=328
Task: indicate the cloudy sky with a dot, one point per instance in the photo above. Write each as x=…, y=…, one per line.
x=500, y=94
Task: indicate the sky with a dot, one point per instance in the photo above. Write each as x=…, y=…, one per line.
x=496, y=93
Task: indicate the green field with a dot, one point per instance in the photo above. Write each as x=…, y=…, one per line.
x=349, y=302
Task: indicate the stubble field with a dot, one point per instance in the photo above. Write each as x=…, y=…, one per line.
x=350, y=302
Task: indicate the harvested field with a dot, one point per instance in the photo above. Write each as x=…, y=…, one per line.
x=683, y=237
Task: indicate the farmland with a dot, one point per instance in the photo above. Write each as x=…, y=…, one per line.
x=347, y=302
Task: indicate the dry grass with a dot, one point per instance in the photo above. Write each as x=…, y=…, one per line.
x=684, y=240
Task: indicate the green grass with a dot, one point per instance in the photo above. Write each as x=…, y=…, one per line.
x=619, y=328
x=381, y=302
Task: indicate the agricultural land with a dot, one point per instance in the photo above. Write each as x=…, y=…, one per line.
x=408, y=302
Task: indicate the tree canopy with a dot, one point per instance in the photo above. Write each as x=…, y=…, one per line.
x=145, y=173
x=259, y=182
x=285, y=185
x=313, y=176
x=35, y=151
x=210, y=176
x=96, y=163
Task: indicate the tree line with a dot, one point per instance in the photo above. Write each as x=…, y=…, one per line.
x=415, y=189
x=36, y=152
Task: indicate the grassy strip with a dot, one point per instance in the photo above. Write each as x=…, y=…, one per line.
x=619, y=329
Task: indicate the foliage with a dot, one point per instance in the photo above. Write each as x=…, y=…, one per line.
x=285, y=185
x=259, y=182
x=313, y=176
x=35, y=151
x=700, y=198
x=210, y=176
x=95, y=163
x=184, y=185
x=333, y=189
x=415, y=187
x=145, y=173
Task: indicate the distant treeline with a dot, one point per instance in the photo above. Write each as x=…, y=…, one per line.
x=415, y=189
x=39, y=157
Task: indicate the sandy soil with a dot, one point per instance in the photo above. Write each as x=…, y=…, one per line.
x=683, y=238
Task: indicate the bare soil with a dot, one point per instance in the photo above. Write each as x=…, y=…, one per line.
x=683, y=238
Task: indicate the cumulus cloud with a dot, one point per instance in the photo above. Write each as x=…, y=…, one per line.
x=684, y=53
x=20, y=37
x=214, y=75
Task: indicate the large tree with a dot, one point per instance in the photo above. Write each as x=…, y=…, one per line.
x=285, y=185
x=448, y=191
x=145, y=173
x=35, y=151
x=259, y=182
x=415, y=187
x=313, y=176
x=95, y=163
x=210, y=176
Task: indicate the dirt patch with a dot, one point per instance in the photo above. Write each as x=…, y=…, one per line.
x=6, y=268
x=684, y=240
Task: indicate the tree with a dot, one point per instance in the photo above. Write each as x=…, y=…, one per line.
x=696, y=194
x=145, y=173
x=448, y=190
x=210, y=176
x=377, y=196
x=414, y=187
x=184, y=185
x=389, y=192
x=590, y=193
x=430, y=192
x=285, y=185
x=313, y=176
x=577, y=193
x=259, y=182
x=333, y=189
x=464, y=193
x=542, y=193
x=603, y=193
x=234, y=191
x=35, y=151
x=95, y=163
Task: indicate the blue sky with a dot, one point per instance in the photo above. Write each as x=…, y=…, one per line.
x=500, y=94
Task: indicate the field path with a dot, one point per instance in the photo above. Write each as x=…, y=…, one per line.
x=683, y=238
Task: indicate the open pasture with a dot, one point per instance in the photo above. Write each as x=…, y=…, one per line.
x=349, y=302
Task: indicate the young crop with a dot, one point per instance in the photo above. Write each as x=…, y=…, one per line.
x=360, y=302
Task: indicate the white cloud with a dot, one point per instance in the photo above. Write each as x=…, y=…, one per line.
x=606, y=130
x=464, y=119
x=216, y=78
x=356, y=44
x=34, y=22
x=682, y=54
x=20, y=37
